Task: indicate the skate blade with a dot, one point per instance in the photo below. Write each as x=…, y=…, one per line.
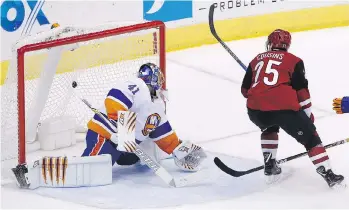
x=272, y=179
x=339, y=186
x=285, y=174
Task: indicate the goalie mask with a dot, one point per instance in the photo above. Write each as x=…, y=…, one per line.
x=152, y=76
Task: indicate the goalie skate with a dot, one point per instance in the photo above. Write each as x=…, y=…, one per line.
x=20, y=173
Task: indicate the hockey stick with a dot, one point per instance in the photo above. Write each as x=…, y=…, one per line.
x=148, y=160
x=214, y=33
x=235, y=173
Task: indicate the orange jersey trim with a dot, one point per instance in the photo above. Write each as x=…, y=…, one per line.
x=168, y=143
x=98, y=129
x=113, y=107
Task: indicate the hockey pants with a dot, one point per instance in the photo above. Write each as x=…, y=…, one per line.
x=97, y=145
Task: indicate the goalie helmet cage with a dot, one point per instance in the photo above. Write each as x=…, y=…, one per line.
x=134, y=34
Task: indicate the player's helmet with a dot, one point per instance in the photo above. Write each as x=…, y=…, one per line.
x=279, y=39
x=151, y=75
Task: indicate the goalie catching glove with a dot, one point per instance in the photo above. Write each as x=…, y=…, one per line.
x=341, y=105
x=188, y=156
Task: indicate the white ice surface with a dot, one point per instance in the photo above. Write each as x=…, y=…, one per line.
x=206, y=107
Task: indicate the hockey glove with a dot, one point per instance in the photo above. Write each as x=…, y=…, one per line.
x=312, y=117
x=303, y=96
x=309, y=113
x=341, y=105
x=188, y=156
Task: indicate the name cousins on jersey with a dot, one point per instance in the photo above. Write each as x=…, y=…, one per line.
x=279, y=56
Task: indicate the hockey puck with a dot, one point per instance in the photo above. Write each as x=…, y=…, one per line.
x=74, y=84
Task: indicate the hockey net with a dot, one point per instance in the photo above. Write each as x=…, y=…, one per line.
x=38, y=84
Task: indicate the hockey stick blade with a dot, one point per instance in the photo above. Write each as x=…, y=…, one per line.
x=235, y=173
x=214, y=33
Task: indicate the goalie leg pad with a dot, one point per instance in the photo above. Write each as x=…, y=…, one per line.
x=65, y=172
x=98, y=145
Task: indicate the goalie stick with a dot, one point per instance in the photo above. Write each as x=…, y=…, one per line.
x=235, y=173
x=148, y=160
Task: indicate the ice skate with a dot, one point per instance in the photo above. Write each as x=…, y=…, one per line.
x=271, y=169
x=331, y=178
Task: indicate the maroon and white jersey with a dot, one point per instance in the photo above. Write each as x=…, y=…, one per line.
x=275, y=80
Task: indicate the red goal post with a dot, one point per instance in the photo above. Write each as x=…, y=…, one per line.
x=160, y=46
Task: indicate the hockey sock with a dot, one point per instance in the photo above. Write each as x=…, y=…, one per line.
x=319, y=157
x=269, y=143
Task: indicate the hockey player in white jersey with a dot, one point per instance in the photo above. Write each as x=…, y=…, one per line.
x=142, y=95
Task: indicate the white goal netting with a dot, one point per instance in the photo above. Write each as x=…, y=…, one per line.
x=113, y=53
